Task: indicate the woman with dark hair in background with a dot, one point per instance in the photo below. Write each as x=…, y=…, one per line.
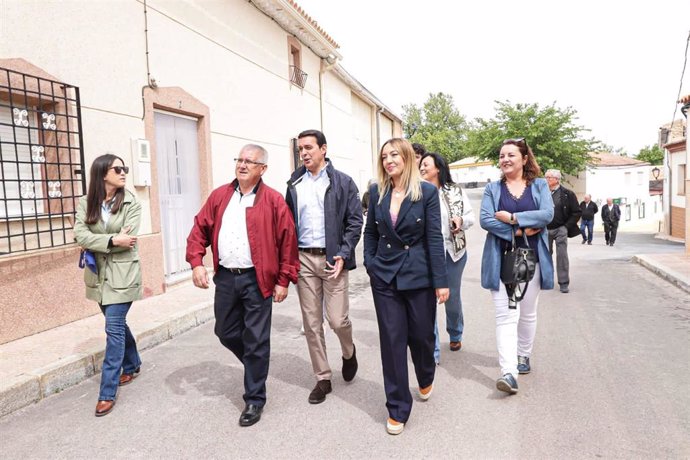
x=456, y=217
x=403, y=254
x=107, y=223
x=520, y=199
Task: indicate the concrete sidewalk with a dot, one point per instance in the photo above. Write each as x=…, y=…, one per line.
x=43, y=364
x=674, y=268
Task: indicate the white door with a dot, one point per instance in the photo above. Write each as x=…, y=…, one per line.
x=178, y=186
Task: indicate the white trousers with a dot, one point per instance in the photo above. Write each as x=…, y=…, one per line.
x=516, y=328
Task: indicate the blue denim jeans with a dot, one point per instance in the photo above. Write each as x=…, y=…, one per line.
x=589, y=225
x=120, y=349
x=455, y=322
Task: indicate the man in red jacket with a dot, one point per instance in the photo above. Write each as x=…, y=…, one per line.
x=252, y=236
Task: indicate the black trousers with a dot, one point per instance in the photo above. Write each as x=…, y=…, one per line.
x=406, y=318
x=243, y=325
x=610, y=230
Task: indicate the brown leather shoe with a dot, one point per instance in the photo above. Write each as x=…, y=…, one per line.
x=126, y=379
x=104, y=407
x=318, y=394
x=455, y=346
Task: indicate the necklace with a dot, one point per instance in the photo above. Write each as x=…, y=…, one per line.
x=397, y=193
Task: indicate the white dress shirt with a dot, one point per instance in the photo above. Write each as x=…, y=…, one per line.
x=311, y=190
x=233, y=244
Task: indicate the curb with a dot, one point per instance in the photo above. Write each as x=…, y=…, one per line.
x=666, y=273
x=29, y=388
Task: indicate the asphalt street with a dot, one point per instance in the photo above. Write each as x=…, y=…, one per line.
x=611, y=367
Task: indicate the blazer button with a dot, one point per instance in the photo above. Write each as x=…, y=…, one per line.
x=383, y=236
x=407, y=247
x=388, y=246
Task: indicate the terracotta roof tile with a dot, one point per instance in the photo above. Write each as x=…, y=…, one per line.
x=315, y=24
x=611, y=159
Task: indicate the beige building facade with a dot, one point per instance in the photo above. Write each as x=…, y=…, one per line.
x=676, y=196
x=173, y=87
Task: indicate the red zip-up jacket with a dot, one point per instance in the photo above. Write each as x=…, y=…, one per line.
x=270, y=230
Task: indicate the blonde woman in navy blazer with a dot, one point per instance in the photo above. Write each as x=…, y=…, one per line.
x=404, y=257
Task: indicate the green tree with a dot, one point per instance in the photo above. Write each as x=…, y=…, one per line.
x=551, y=132
x=652, y=154
x=438, y=125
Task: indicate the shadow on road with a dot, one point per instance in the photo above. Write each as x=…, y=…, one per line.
x=210, y=378
x=365, y=395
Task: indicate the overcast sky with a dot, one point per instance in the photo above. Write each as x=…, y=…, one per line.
x=618, y=63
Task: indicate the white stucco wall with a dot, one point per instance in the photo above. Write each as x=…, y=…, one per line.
x=385, y=130
x=631, y=185
x=676, y=160
x=228, y=55
x=479, y=173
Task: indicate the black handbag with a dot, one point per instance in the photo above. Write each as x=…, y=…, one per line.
x=517, y=268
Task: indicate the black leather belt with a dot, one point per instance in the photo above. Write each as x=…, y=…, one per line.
x=238, y=271
x=317, y=251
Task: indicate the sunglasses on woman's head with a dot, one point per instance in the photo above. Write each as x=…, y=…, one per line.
x=119, y=169
x=515, y=141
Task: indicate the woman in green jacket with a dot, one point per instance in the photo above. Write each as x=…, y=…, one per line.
x=107, y=223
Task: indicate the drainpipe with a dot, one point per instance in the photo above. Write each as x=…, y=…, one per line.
x=684, y=110
x=327, y=64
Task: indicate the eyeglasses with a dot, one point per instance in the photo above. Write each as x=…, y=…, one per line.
x=119, y=169
x=239, y=161
x=515, y=141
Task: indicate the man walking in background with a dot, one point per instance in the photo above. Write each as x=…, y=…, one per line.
x=588, y=208
x=564, y=225
x=610, y=215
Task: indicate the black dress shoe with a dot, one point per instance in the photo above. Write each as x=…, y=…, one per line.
x=318, y=394
x=250, y=415
x=350, y=365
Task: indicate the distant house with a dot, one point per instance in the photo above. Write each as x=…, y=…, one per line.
x=674, y=141
x=471, y=172
x=624, y=179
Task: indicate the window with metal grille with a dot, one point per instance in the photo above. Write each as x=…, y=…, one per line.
x=298, y=77
x=41, y=162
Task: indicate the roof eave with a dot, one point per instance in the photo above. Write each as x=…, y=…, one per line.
x=294, y=20
x=359, y=89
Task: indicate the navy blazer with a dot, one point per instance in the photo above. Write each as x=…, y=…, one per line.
x=411, y=253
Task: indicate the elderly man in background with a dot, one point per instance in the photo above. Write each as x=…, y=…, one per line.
x=611, y=215
x=588, y=208
x=564, y=225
